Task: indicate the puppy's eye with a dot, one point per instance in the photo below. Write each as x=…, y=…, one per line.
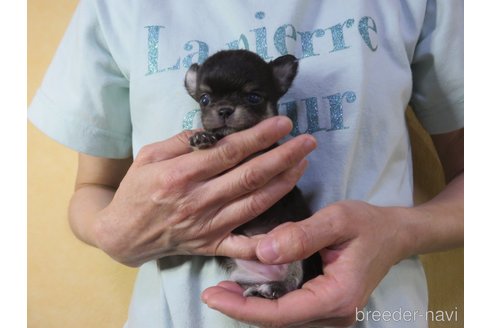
x=254, y=98
x=205, y=100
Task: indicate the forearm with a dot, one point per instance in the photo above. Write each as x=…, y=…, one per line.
x=438, y=224
x=87, y=201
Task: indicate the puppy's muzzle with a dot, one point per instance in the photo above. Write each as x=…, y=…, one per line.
x=225, y=112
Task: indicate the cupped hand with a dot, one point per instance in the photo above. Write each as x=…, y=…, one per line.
x=358, y=244
x=175, y=201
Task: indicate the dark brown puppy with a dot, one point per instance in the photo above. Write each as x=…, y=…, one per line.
x=236, y=89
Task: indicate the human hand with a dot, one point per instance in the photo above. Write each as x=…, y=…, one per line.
x=174, y=201
x=358, y=244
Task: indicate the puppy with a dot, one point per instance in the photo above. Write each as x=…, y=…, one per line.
x=236, y=89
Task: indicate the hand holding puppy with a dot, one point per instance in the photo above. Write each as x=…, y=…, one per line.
x=174, y=201
x=358, y=244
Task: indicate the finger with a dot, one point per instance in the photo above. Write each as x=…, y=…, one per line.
x=238, y=246
x=231, y=286
x=163, y=150
x=252, y=205
x=258, y=171
x=233, y=149
x=299, y=240
x=297, y=307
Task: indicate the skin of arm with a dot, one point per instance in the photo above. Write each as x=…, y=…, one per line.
x=95, y=185
x=358, y=243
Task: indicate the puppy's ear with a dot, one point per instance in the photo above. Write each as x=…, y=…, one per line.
x=284, y=71
x=191, y=79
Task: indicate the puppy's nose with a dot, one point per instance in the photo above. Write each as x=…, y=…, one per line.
x=225, y=112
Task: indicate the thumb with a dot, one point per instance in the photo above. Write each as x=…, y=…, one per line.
x=295, y=240
x=238, y=246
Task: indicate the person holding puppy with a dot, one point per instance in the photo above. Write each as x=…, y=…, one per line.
x=115, y=93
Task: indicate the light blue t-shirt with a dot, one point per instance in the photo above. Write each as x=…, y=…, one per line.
x=116, y=84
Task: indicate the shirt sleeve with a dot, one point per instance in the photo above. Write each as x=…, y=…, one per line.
x=437, y=66
x=83, y=101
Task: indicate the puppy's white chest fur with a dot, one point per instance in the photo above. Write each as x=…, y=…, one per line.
x=269, y=281
x=257, y=272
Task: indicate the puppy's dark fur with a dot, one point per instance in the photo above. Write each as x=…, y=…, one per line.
x=236, y=89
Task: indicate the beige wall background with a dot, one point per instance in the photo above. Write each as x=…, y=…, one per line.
x=73, y=285
x=69, y=284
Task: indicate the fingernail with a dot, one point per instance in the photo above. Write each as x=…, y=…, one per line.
x=268, y=250
x=284, y=123
x=310, y=143
x=204, y=297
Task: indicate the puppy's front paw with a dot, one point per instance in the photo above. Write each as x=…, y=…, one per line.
x=203, y=140
x=271, y=290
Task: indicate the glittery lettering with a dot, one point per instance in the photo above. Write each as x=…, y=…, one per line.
x=175, y=66
x=291, y=112
x=261, y=42
x=365, y=24
x=153, y=49
x=312, y=115
x=307, y=42
x=202, y=52
x=337, y=35
x=188, y=119
x=235, y=44
x=335, y=102
x=336, y=108
x=279, y=38
x=285, y=39
x=260, y=15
